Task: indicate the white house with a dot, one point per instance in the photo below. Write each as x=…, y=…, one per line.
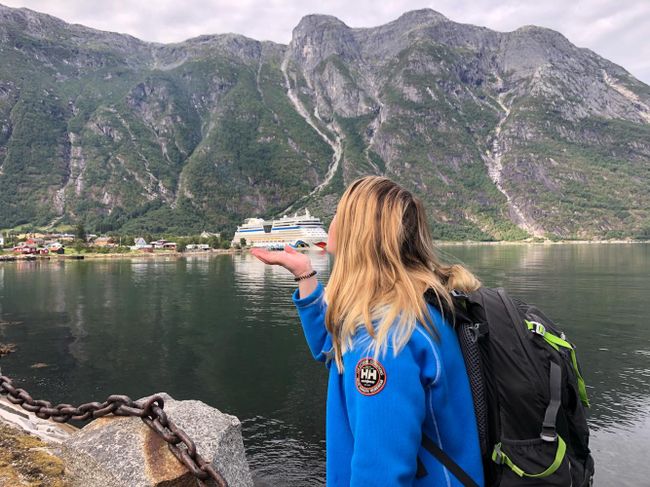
x=141, y=245
x=2, y=241
x=197, y=247
x=159, y=244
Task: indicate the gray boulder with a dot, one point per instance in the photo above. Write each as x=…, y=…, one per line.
x=121, y=451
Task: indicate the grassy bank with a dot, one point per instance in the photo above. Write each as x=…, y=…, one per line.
x=25, y=461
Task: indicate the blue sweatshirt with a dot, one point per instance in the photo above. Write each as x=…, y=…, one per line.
x=378, y=410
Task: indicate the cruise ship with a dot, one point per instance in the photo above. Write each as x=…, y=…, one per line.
x=299, y=231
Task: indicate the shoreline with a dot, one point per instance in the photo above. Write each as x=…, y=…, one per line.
x=11, y=257
x=451, y=243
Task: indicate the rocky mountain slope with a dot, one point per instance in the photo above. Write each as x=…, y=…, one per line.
x=503, y=135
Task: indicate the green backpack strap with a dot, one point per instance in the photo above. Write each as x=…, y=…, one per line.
x=556, y=342
x=501, y=458
x=549, y=432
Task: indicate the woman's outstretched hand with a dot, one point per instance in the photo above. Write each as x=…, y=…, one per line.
x=295, y=262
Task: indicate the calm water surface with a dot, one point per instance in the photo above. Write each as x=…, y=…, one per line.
x=223, y=330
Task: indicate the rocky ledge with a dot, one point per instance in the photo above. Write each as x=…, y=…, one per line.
x=116, y=451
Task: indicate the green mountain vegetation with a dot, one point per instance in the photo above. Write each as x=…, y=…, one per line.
x=503, y=135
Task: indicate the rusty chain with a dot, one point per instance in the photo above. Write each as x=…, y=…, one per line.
x=150, y=411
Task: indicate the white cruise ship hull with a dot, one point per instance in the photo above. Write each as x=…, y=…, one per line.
x=297, y=231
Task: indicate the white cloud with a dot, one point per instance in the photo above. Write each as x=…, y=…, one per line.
x=615, y=29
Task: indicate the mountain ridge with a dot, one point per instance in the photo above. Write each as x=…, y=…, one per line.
x=503, y=135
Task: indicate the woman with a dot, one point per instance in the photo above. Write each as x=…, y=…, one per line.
x=396, y=373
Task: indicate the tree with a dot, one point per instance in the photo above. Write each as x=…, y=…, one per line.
x=80, y=232
x=242, y=242
x=643, y=233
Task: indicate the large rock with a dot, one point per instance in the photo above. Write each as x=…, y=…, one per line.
x=119, y=451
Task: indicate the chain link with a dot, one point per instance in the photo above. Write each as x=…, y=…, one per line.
x=150, y=411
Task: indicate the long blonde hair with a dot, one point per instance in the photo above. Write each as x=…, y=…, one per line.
x=384, y=263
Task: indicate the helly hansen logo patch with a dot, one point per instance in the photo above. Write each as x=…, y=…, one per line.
x=370, y=376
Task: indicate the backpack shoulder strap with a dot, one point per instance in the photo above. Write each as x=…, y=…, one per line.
x=448, y=462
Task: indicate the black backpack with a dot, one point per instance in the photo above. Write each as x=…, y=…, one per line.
x=529, y=395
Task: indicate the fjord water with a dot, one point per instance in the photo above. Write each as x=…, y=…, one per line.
x=223, y=330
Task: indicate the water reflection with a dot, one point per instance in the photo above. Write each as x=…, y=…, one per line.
x=223, y=330
x=253, y=279
x=620, y=449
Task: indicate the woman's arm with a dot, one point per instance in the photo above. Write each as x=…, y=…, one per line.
x=311, y=309
x=307, y=286
x=386, y=409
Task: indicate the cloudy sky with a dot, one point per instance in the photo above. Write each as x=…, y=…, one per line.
x=616, y=29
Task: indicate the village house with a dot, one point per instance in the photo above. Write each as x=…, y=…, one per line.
x=25, y=236
x=2, y=241
x=31, y=246
x=197, y=247
x=104, y=242
x=35, y=242
x=164, y=244
x=142, y=245
x=208, y=235
x=55, y=247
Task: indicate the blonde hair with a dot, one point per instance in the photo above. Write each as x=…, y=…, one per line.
x=384, y=263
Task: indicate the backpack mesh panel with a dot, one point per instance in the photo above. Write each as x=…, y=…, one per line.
x=472, y=358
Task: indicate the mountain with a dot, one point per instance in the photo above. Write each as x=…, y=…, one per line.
x=503, y=135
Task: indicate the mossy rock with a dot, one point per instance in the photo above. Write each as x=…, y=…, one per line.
x=27, y=461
